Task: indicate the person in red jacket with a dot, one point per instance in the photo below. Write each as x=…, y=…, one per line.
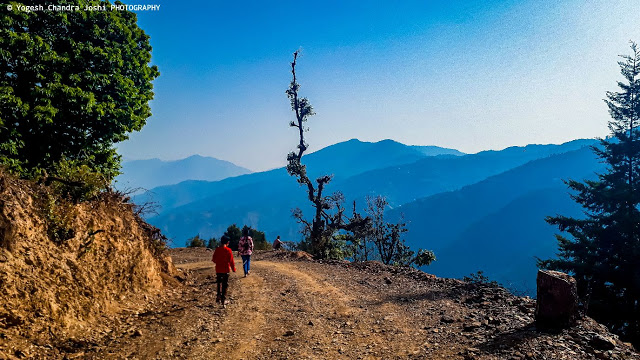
x=223, y=257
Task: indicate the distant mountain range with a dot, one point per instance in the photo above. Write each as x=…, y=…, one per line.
x=481, y=211
x=497, y=225
x=343, y=160
x=264, y=200
x=437, y=151
x=151, y=173
x=435, y=174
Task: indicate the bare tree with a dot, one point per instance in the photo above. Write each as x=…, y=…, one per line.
x=329, y=216
x=328, y=211
x=387, y=237
x=361, y=231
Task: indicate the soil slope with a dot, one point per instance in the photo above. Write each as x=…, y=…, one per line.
x=292, y=308
x=54, y=290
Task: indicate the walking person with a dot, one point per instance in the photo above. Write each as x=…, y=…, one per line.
x=223, y=258
x=245, y=249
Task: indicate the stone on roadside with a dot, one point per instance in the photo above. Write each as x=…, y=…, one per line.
x=602, y=342
x=557, y=304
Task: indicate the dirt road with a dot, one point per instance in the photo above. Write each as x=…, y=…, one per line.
x=307, y=310
x=278, y=312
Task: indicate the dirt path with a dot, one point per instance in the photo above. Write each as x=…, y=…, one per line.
x=278, y=312
x=282, y=312
x=306, y=310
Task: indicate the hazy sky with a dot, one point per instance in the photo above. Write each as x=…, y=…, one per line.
x=470, y=75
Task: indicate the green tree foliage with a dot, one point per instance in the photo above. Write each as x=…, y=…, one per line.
x=360, y=246
x=233, y=234
x=479, y=278
x=340, y=248
x=212, y=243
x=77, y=181
x=424, y=258
x=387, y=238
x=72, y=84
x=196, y=241
x=603, y=249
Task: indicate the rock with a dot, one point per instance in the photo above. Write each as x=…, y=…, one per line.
x=20, y=354
x=137, y=333
x=387, y=281
x=13, y=318
x=601, y=355
x=310, y=323
x=471, y=326
x=447, y=319
x=289, y=333
x=557, y=305
x=601, y=342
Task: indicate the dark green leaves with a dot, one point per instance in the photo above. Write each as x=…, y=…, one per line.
x=72, y=84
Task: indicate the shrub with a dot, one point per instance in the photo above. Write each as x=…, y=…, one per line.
x=195, y=241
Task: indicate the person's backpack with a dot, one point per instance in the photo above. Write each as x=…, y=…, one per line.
x=245, y=245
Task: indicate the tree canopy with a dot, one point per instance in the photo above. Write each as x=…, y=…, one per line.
x=72, y=84
x=196, y=241
x=233, y=234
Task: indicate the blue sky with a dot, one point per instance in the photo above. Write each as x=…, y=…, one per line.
x=470, y=75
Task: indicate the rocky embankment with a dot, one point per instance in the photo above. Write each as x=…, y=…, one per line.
x=65, y=267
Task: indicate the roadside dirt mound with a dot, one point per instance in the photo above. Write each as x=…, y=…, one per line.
x=285, y=255
x=191, y=255
x=63, y=265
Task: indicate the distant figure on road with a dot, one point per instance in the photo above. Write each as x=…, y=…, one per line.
x=245, y=249
x=223, y=257
x=277, y=243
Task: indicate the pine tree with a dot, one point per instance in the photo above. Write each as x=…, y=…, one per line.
x=603, y=251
